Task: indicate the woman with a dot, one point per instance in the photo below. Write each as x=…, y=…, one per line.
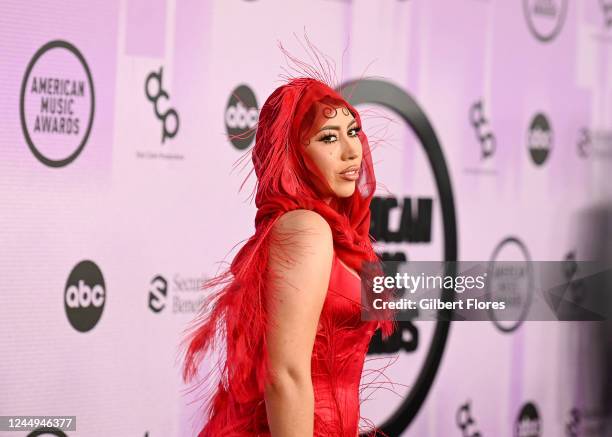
x=289, y=308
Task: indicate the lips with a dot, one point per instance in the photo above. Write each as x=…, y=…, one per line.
x=352, y=168
x=350, y=173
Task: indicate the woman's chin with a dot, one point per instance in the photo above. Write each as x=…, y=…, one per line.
x=344, y=192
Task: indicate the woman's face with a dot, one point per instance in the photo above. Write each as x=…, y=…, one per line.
x=335, y=149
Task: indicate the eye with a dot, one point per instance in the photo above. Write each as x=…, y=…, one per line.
x=328, y=137
x=354, y=131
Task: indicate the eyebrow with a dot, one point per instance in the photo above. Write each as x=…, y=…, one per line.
x=337, y=127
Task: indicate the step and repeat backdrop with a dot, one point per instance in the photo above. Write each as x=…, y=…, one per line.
x=120, y=175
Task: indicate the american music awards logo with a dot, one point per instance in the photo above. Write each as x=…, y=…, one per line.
x=57, y=104
x=545, y=18
x=415, y=225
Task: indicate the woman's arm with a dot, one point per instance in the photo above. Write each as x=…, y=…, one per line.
x=300, y=263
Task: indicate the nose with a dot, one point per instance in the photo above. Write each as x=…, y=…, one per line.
x=351, y=148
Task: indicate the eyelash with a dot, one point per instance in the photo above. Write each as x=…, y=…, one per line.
x=326, y=138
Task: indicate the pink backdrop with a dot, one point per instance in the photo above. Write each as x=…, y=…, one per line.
x=151, y=200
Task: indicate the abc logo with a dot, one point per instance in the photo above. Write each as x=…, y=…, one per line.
x=241, y=115
x=539, y=139
x=528, y=422
x=84, y=296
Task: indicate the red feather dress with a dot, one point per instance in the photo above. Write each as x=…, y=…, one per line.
x=234, y=318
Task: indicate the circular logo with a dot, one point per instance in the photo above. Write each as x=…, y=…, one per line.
x=510, y=281
x=84, y=296
x=528, y=422
x=47, y=431
x=545, y=18
x=57, y=103
x=241, y=116
x=539, y=138
x=392, y=97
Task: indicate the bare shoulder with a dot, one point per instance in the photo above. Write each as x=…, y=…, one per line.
x=302, y=235
x=304, y=220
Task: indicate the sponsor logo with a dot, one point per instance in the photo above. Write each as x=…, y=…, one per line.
x=466, y=422
x=241, y=116
x=528, y=423
x=57, y=103
x=84, y=296
x=483, y=162
x=182, y=295
x=596, y=143
x=539, y=139
x=512, y=283
x=154, y=90
x=484, y=135
x=545, y=18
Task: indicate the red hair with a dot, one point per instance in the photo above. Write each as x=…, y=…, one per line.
x=235, y=309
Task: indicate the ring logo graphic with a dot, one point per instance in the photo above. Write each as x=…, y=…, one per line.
x=241, y=116
x=57, y=103
x=466, y=422
x=528, y=422
x=169, y=130
x=484, y=134
x=47, y=431
x=545, y=18
x=84, y=296
x=540, y=138
x=390, y=96
x=158, y=292
x=512, y=283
